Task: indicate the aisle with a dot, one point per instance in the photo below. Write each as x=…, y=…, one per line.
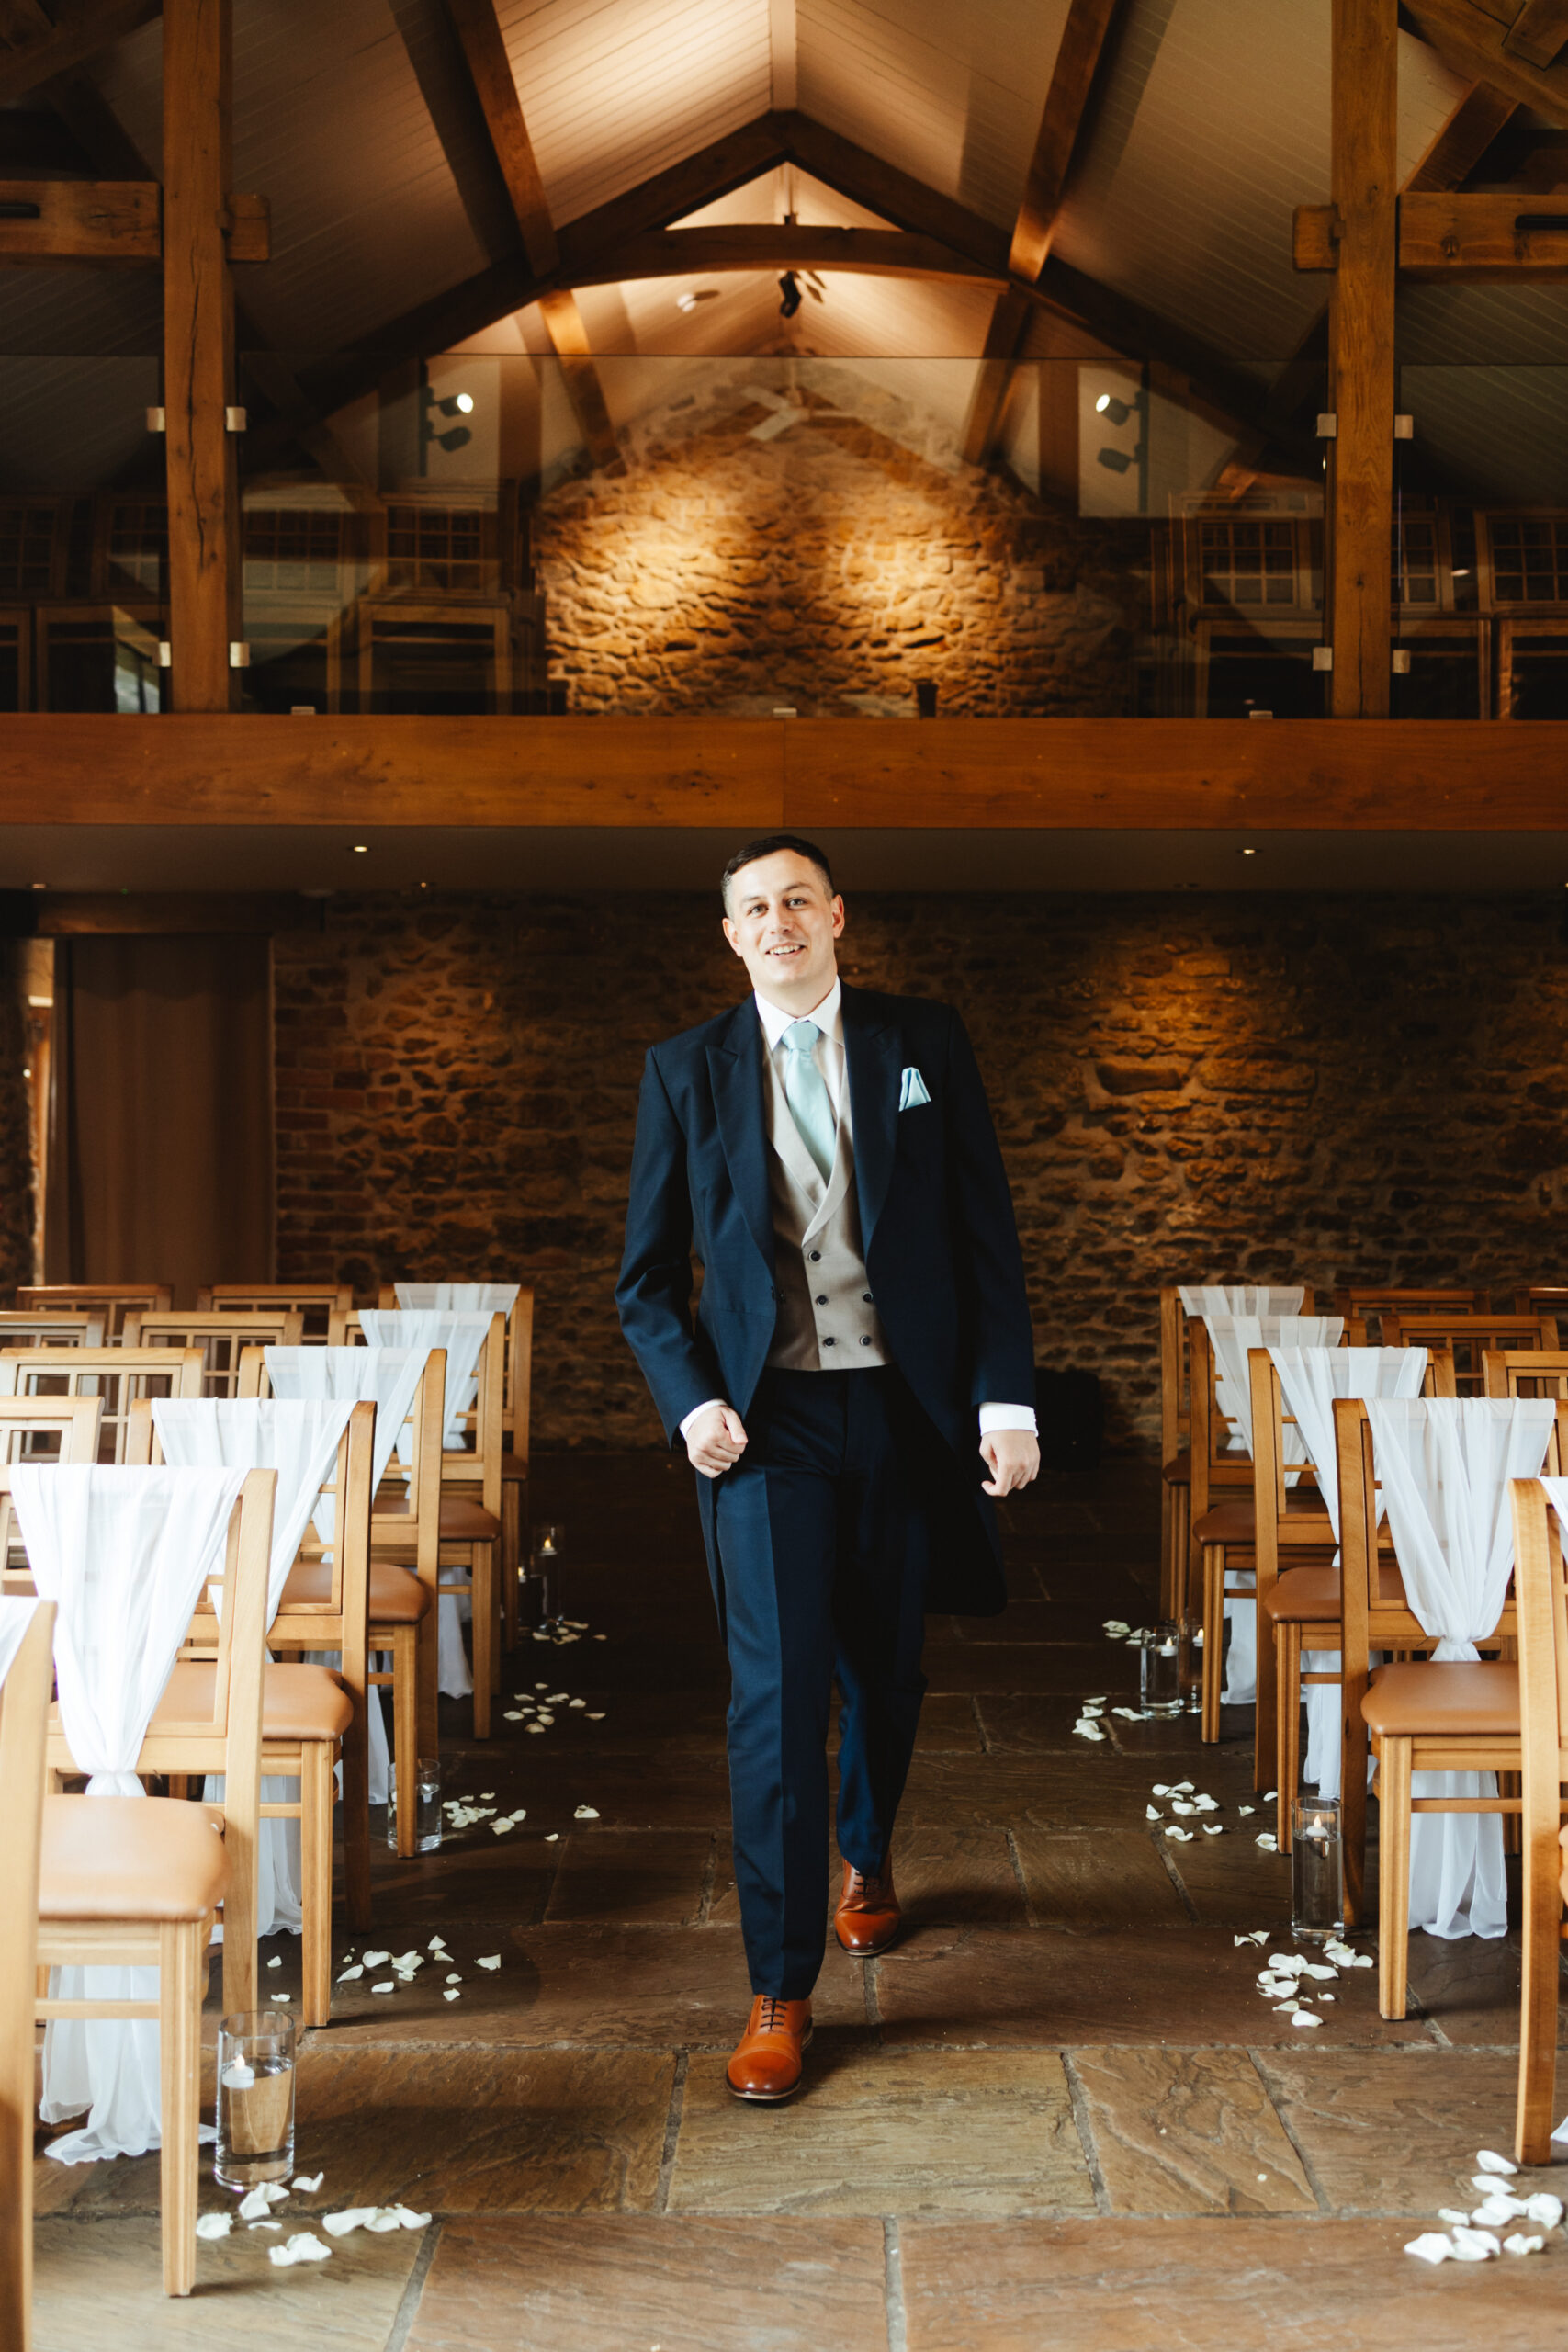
x=1011, y=2123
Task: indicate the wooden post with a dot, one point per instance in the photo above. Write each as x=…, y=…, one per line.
x=198, y=356
x=1364, y=182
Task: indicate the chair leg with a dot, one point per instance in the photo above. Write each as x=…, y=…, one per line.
x=511, y=1558
x=1393, y=1876
x=481, y=1575
x=1288, y=1729
x=356, y=1755
x=1538, y=2000
x=1213, y=1639
x=405, y=1732
x=179, y=2056
x=316, y=1878
x=427, y=1655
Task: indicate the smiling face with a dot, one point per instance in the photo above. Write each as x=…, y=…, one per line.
x=783, y=922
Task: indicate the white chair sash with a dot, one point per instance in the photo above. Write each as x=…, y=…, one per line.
x=1310, y=1381
x=299, y=1440
x=1241, y=1299
x=462, y=1333
x=124, y=1555
x=16, y=1616
x=387, y=1375
x=1444, y=1466
x=1231, y=1336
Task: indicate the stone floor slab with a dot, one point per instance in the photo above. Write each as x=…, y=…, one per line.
x=893, y=2132
x=1083, y=1878
x=689, y=2284
x=943, y=1877
x=630, y=1877
x=1175, y=2286
x=1189, y=2132
x=1395, y=2132
x=1071, y=1669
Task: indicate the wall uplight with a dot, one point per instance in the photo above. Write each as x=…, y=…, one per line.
x=361, y=849
x=1108, y=405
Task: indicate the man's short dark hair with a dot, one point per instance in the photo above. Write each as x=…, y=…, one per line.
x=768, y=846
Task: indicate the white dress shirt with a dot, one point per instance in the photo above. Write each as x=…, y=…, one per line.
x=829, y=1059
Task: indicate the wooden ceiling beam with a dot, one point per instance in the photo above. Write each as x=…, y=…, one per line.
x=35, y=53
x=1046, y=183
x=98, y=222
x=479, y=31
x=1539, y=32
x=1472, y=41
x=1483, y=238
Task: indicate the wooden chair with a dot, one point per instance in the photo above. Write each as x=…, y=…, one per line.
x=1524, y=1371
x=24, y=1710
x=50, y=1328
x=401, y=1580
x=1542, y=1601
x=221, y=1336
x=59, y=1428
x=111, y=1301
x=311, y=1714
x=1224, y=1515
x=470, y=1510
x=1298, y=1601
x=1374, y=1302
x=316, y=1302
x=1469, y=1336
x=118, y=1377
x=516, y=1413
x=1175, y=1453
x=1416, y=1717
x=137, y=1882
x=1542, y=1298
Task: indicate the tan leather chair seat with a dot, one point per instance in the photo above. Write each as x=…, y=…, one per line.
x=1228, y=1522
x=1178, y=1470
x=1482, y=1699
x=297, y=1701
x=396, y=1596
x=463, y=1522
x=1310, y=1595
x=131, y=1857
x=513, y=1466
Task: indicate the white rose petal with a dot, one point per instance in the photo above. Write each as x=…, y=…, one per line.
x=1181, y=1788
x=536, y=1726
x=1545, y=2208
x=491, y=1960
x=577, y=1702
x=1452, y=2213
x=382, y=2219
x=1494, y=2211
x=1474, y=2246
x=1305, y=2016
x=1089, y=1729
x=353, y=2216
x=451, y=1993
x=214, y=2225
x=408, y=2220
x=1161, y=1789
x=1182, y=1837
x=1520, y=2243
x=1213, y=1829
x=436, y=1943
x=552, y=1837
x=257, y=2205
x=1270, y=1795
x=1432, y=2247
x=309, y=2182
x=1488, y=2160
x=1152, y=1812
x=1182, y=1805
x=1268, y=1842
x=600, y=1716
x=350, y=1973
x=388, y=1987
x=1324, y=1976
x=500, y=1828
x=512, y=1716
x=1245, y=1809
x=276, y=1961
x=1207, y=1804
x=375, y=1958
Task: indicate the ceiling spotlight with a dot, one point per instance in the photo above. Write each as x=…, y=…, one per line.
x=361, y=849
x=1116, y=460
x=1108, y=405
x=457, y=405
x=790, y=288
x=457, y=436
x=1249, y=853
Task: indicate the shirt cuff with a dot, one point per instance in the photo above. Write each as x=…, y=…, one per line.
x=708, y=1406
x=1007, y=1417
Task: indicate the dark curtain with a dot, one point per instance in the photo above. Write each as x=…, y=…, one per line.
x=160, y=1162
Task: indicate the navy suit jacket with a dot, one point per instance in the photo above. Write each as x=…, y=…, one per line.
x=936, y=1224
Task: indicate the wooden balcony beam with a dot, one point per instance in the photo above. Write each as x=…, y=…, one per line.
x=1484, y=238
x=99, y=222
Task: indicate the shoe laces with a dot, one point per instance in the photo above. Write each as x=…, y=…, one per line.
x=772, y=2019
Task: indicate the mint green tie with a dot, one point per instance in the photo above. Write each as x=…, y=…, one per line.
x=805, y=1092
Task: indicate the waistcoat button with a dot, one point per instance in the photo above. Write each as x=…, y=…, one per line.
x=827, y=1343
x=821, y=1298
x=866, y=1295
x=866, y=1342
x=815, y=1255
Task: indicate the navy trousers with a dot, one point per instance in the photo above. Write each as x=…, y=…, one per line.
x=824, y=1540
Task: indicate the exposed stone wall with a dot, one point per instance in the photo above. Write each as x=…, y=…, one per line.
x=1320, y=1089
x=826, y=568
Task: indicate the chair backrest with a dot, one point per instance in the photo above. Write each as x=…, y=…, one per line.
x=57, y=1428
x=1282, y=1530
x=221, y=1336
x=1469, y=1336
x=1374, y=1302
x=1540, y=1581
x=112, y=1301
x=118, y=1377
x=481, y=1466
x=417, y=1476
x=337, y=1621
x=24, y=1713
x=1213, y=1463
x=518, y=1389
x=1541, y=1298
x=316, y=1303
x=52, y=1328
x=1528, y=1371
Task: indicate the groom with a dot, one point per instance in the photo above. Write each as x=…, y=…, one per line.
x=861, y=1354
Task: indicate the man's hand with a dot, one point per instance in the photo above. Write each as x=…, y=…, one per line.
x=1012, y=1457
x=716, y=1440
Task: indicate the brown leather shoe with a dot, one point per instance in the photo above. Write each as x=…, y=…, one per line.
x=767, y=2064
x=868, y=1918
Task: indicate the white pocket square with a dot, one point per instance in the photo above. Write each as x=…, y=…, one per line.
x=912, y=1090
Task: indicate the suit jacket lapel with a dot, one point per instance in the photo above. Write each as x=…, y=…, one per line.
x=871, y=1064
x=735, y=1073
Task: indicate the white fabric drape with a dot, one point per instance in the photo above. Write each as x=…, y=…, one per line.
x=124, y=1555
x=1241, y=1299
x=462, y=1334
x=1443, y=1465
x=16, y=1616
x=1231, y=1336
x=1310, y=1381
x=299, y=1440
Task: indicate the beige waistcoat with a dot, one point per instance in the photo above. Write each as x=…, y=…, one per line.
x=827, y=1321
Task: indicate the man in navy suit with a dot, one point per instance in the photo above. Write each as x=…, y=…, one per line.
x=861, y=1356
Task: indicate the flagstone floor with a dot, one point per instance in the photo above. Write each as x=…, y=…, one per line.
x=1059, y=2114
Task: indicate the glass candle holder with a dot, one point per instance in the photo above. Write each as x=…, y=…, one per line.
x=1189, y=1662
x=255, y=2098
x=1159, y=1671
x=544, y=1573
x=427, y=1819
x=1318, y=1869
